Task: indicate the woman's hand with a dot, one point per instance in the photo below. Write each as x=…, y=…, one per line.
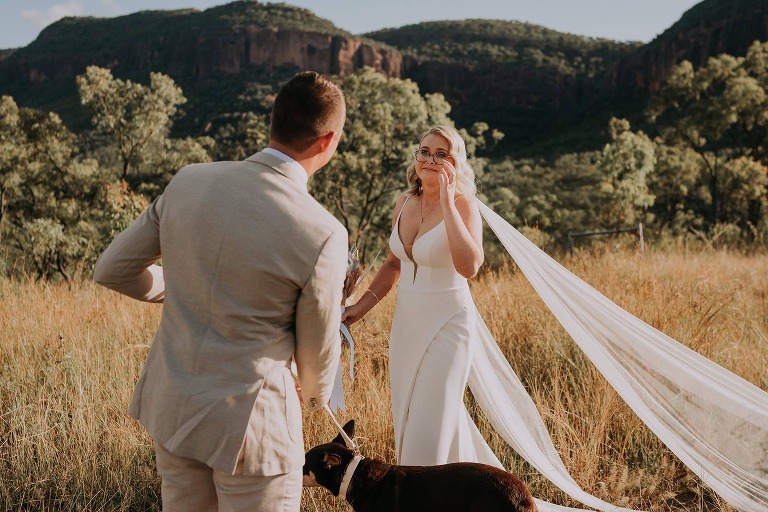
x=352, y=314
x=447, y=179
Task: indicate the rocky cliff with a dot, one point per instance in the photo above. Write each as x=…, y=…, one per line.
x=524, y=102
x=539, y=85
x=709, y=28
x=524, y=79
x=216, y=56
x=191, y=45
x=4, y=54
x=533, y=83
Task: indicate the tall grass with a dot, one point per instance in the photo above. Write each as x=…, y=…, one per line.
x=69, y=358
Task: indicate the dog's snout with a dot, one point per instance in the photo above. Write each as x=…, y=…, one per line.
x=309, y=479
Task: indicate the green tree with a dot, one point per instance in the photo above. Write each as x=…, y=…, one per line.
x=720, y=111
x=626, y=163
x=745, y=185
x=133, y=114
x=242, y=135
x=546, y=200
x=680, y=195
x=137, y=120
x=14, y=158
x=163, y=157
x=55, y=209
x=123, y=207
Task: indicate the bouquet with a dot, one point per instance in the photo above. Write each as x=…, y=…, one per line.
x=353, y=277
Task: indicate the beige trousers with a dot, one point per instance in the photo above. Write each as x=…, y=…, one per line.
x=189, y=485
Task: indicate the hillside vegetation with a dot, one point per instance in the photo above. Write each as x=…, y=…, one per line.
x=692, y=169
x=550, y=92
x=702, y=180
x=482, y=41
x=92, y=34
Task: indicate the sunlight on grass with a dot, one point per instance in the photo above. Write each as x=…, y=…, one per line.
x=69, y=359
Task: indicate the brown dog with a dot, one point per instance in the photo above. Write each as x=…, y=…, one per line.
x=373, y=486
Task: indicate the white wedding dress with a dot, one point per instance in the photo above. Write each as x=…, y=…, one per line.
x=430, y=354
x=714, y=421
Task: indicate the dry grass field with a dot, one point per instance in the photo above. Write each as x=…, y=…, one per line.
x=69, y=359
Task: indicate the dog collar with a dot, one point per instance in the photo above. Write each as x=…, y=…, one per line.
x=347, y=479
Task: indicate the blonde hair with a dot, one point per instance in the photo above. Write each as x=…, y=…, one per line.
x=465, y=175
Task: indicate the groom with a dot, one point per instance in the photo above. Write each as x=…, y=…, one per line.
x=251, y=276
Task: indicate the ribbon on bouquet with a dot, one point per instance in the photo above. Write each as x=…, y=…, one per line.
x=337, y=393
x=352, y=278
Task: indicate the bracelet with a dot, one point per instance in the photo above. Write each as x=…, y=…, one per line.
x=374, y=294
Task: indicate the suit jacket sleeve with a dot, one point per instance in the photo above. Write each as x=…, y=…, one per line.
x=318, y=316
x=128, y=264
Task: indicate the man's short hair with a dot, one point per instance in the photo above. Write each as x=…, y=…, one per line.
x=306, y=107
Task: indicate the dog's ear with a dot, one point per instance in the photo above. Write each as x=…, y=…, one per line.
x=331, y=460
x=349, y=429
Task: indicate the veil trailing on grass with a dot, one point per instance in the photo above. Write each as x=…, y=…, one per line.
x=714, y=421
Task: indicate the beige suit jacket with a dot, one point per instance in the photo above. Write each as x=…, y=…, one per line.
x=252, y=273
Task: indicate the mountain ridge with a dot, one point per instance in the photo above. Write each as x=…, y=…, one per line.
x=538, y=85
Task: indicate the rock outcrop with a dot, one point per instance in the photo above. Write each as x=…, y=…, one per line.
x=240, y=50
x=4, y=54
x=530, y=82
x=709, y=28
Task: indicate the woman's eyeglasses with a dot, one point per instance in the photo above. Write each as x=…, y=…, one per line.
x=422, y=155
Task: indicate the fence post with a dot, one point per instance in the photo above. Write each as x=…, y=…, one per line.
x=613, y=231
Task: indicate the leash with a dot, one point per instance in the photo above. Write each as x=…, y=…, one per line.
x=352, y=466
x=337, y=393
x=347, y=441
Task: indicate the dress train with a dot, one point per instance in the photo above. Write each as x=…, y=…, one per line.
x=713, y=420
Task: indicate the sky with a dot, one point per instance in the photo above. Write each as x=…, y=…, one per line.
x=623, y=20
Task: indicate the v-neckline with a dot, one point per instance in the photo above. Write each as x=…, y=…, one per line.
x=400, y=238
x=413, y=245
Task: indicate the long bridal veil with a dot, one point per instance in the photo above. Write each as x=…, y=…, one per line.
x=715, y=422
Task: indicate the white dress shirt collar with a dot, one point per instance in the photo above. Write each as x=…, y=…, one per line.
x=297, y=172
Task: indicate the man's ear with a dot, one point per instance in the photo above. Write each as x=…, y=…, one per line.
x=349, y=429
x=331, y=460
x=324, y=141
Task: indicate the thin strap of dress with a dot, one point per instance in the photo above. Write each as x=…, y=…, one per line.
x=397, y=223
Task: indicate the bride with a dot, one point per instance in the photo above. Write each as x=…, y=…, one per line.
x=714, y=421
x=435, y=246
